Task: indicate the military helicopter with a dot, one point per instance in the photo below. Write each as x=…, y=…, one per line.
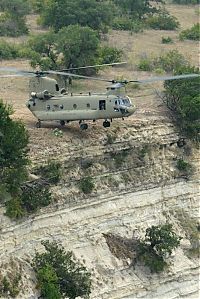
x=48, y=102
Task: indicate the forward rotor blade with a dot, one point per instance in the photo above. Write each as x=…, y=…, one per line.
x=95, y=65
x=77, y=76
x=17, y=71
x=155, y=79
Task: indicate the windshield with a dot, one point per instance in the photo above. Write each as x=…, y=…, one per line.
x=125, y=101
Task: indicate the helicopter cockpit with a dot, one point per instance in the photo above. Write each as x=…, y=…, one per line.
x=122, y=103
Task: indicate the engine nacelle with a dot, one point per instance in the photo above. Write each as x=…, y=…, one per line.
x=43, y=95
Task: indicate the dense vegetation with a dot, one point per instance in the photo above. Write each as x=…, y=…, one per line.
x=12, y=20
x=13, y=149
x=183, y=99
x=158, y=244
x=186, y=1
x=60, y=275
x=20, y=198
x=166, y=62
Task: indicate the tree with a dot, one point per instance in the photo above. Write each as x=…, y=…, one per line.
x=158, y=244
x=182, y=98
x=79, y=45
x=71, y=46
x=13, y=150
x=137, y=8
x=62, y=13
x=12, y=21
x=58, y=273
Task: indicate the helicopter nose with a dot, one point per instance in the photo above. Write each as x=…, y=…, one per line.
x=131, y=110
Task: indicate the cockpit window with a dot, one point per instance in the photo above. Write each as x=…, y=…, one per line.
x=57, y=87
x=123, y=101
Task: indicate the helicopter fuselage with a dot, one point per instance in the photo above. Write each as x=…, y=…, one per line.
x=73, y=107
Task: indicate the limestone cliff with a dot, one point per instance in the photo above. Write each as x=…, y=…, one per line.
x=137, y=185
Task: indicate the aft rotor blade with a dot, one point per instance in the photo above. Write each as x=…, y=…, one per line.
x=155, y=79
x=77, y=76
x=93, y=66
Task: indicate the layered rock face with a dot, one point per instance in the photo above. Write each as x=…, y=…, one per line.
x=137, y=185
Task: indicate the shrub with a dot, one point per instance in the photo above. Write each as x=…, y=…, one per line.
x=125, y=23
x=51, y=171
x=9, y=285
x=182, y=98
x=162, y=21
x=167, y=40
x=183, y=165
x=186, y=1
x=86, y=185
x=145, y=64
x=8, y=51
x=14, y=208
x=35, y=197
x=119, y=157
x=59, y=274
x=109, y=54
x=158, y=244
x=191, y=34
x=168, y=62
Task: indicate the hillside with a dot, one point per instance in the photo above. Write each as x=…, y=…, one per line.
x=137, y=183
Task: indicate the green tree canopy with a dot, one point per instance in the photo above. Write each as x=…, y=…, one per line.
x=12, y=21
x=71, y=46
x=13, y=150
x=137, y=8
x=61, y=13
x=158, y=244
x=182, y=97
x=60, y=274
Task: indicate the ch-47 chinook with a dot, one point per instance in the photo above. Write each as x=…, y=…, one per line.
x=48, y=102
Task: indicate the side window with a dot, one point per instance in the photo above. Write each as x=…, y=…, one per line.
x=48, y=107
x=74, y=106
x=102, y=105
x=57, y=87
x=88, y=105
x=61, y=106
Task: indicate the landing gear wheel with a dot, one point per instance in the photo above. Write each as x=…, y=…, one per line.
x=83, y=126
x=62, y=123
x=106, y=124
x=38, y=124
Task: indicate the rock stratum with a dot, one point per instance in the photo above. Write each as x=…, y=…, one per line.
x=137, y=185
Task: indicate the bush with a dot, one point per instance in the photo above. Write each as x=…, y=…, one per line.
x=59, y=274
x=125, y=23
x=13, y=27
x=182, y=98
x=183, y=165
x=186, y=1
x=8, y=51
x=51, y=171
x=168, y=62
x=109, y=54
x=9, y=286
x=14, y=208
x=191, y=34
x=167, y=40
x=86, y=185
x=158, y=244
x=35, y=197
x=162, y=21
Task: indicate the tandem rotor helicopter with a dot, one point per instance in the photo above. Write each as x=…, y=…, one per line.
x=48, y=102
